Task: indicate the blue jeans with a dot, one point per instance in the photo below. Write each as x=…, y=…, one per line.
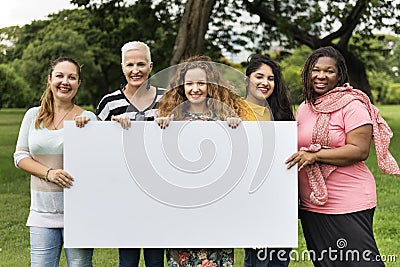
x=129, y=257
x=271, y=257
x=46, y=245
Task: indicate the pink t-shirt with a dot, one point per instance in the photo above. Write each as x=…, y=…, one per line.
x=350, y=188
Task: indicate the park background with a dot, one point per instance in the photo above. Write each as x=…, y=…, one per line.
x=366, y=32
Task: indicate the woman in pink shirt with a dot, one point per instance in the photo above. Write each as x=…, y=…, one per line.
x=337, y=191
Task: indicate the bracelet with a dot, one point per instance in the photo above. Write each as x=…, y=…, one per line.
x=47, y=174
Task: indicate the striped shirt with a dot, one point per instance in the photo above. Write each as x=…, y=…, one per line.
x=116, y=103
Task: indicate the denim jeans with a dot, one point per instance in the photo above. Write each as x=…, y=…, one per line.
x=129, y=257
x=271, y=257
x=46, y=245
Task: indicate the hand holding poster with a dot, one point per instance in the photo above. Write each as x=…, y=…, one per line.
x=147, y=187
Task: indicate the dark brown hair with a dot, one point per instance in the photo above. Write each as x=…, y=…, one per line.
x=328, y=51
x=278, y=100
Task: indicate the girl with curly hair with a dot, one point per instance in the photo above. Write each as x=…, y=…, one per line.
x=198, y=92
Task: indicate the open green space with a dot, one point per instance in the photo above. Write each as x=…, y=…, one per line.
x=15, y=201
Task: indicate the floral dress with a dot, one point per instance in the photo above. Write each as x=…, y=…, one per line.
x=199, y=257
x=188, y=116
x=202, y=257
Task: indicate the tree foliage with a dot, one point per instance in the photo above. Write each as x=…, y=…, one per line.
x=63, y=43
x=382, y=53
x=95, y=31
x=94, y=35
x=381, y=56
x=259, y=25
x=312, y=23
x=14, y=91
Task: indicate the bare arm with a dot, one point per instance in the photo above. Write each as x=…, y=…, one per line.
x=356, y=149
x=58, y=176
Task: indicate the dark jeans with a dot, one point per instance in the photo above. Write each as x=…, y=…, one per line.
x=129, y=257
x=273, y=257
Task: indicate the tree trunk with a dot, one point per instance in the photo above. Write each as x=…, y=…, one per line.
x=356, y=69
x=357, y=73
x=192, y=29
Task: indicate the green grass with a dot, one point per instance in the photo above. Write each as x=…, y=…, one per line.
x=15, y=201
x=386, y=220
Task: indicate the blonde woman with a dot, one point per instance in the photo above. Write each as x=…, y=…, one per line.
x=136, y=100
x=39, y=152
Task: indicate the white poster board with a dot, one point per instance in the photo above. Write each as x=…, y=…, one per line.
x=193, y=184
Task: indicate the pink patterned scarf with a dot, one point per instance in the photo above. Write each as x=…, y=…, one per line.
x=326, y=104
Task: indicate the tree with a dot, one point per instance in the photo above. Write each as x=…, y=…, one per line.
x=193, y=27
x=115, y=22
x=311, y=23
x=8, y=37
x=380, y=54
x=353, y=17
x=14, y=91
x=93, y=35
x=381, y=62
x=291, y=70
x=34, y=63
x=35, y=45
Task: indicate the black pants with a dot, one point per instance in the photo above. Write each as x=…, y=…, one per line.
x=341, y=239
x=129, y=257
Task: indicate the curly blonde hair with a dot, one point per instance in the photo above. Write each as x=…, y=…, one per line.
x=228, y=103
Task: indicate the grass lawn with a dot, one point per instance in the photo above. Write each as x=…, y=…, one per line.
x=15, y=201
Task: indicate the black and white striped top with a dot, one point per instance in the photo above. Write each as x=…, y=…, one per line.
x=116, y=103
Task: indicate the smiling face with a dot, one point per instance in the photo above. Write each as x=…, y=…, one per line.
x=64, y=81
x=136, y=67
x=261, y=85
x=195, y=85
x=324, y=75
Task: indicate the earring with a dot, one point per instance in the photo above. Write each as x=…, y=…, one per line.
x=148, y=84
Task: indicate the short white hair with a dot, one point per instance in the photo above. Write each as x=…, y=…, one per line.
x=135, y=45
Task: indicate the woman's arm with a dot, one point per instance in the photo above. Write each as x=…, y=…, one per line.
x=356, y=149
x=58, y=176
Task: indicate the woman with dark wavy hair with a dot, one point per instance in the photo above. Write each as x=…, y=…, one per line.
x=266, y=88
x=267, y=95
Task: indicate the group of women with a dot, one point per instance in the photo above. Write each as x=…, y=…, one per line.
x=336, y=124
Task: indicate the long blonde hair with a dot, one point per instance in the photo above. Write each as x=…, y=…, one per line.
x=46, y=111
x=228, y=103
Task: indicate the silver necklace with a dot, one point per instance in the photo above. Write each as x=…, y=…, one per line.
x=65, y=115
